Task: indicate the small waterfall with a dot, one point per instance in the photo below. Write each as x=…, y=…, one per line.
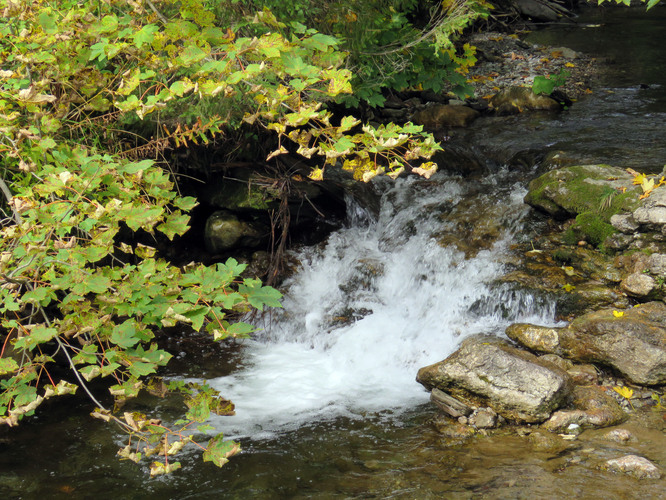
x=374, y=304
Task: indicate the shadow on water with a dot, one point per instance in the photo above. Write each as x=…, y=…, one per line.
x=342, y=448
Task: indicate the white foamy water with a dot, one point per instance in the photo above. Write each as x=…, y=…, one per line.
x=368, y=310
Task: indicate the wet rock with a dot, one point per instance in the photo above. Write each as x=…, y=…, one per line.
x=569, y=191
x=593, y=408
x=445, y=116
x=547, y=442
x=638, y=285
x=225, y=231
x=634, y=343
x=453, y=432
x=486, y=371
x=536, y=338
x=619, y=436
x=483, y=418
x=633, y=465
x=583, y=374
x=515, y=100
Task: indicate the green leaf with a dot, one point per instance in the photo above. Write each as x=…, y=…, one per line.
x=38, y=335
x=125, y=334
x=191, y=54
x=185, y=203
x=219, y=451
x=8, y=365
x=176, y=223
x=258, y=296
x=92, y=284
x=47, y=21
x=145, y=35
x=240, y=330
x=140, y=368
x=320, y=41
x=88, y=354
x=199, y=411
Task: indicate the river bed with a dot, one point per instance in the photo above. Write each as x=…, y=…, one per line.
x=327, y=405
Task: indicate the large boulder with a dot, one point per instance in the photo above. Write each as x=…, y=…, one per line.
x=566, y=192
x=633, y=342
x=445, y=116
x=515, y=100
x=486, y=371
x=225, y=230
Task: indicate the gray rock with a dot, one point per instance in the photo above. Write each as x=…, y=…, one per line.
x=634, y=344
x=638, y=285
x=657, y=264
x=652, y=212
x=633, y=465
x=624, y=223
x=488, y=372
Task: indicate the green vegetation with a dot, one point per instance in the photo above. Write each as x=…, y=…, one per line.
x=93, y=94
x=546, y=84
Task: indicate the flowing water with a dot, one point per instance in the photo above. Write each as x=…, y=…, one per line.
x=327, y=405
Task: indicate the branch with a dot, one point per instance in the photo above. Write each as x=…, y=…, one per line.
x=10, y=199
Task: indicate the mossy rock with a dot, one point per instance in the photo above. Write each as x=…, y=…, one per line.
x=591, y=228
x=570, y=191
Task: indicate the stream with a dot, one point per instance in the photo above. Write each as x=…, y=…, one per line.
x=326, y=400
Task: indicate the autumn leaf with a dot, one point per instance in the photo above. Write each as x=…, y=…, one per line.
x=618, y=314
x=623, y=391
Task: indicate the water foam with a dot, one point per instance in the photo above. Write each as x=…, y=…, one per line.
x=364, y=313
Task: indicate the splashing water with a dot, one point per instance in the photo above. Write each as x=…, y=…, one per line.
x=376, y=303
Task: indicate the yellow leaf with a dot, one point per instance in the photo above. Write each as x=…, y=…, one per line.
x=317, y=174
x=568, y=287
x=570, y=65
x=623, y=391
x=638, y=178
x=618, y=314
x=569, y=271
x=647, y=185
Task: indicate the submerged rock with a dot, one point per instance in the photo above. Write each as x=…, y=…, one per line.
x=633, y=465
x=633, y=342
x=486, y=371
x=619, y=436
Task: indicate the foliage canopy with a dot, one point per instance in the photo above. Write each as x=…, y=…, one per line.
x=81, y=284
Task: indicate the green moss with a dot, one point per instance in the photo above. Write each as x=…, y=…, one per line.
x=593, y=228
x=588, y=188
